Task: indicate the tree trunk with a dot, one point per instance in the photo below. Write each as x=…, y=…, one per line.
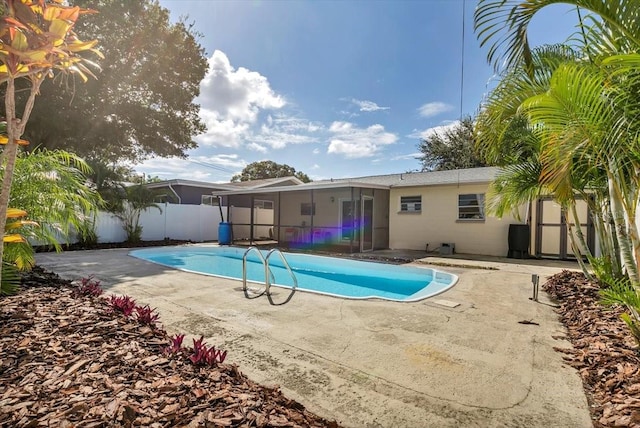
x=15, y=129
x=624, y=240
x=10, y=153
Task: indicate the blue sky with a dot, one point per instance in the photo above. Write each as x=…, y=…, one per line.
x=333, y=88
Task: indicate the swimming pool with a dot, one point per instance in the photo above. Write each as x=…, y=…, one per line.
x=352, y=279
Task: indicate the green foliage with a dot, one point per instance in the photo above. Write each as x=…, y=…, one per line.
x=143, y=101
x=269, y=169
x=584, y=111
x=52, y=187
x=108, y=181
x=502, y=25
x=139, y=198
x=10, y=282
x=454, y=148
x=622, y=292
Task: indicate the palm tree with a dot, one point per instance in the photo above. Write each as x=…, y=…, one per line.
x=139, y=199
x=587, y=119
x=52, y=187
x=611, y=26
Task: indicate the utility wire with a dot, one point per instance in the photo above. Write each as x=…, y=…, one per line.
x=464, y=3
x=210, y=165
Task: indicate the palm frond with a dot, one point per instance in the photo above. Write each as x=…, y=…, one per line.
x=10, y=283
x=503, y=26
x=514, y=186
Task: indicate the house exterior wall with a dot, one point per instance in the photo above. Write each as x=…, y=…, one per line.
x=438, y=223
x=190, y=195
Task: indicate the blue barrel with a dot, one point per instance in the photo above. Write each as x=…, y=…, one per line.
x=224, y=233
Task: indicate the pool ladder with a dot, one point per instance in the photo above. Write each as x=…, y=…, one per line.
x=268, y=275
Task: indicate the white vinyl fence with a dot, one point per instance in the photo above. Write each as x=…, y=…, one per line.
x=196, y=223
x=184, y=222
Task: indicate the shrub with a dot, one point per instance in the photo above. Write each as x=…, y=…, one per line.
x=123, y=304
x=88, y=287
x=146, y=315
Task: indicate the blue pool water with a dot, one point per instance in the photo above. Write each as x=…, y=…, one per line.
x=326, y=275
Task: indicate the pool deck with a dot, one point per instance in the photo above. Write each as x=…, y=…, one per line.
x=377, y=363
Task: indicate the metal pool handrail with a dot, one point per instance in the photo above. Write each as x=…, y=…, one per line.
x=268, y=282
x=244, y=272
x=268, y=275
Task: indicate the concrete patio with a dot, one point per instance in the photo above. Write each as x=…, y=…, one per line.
x=376, y=363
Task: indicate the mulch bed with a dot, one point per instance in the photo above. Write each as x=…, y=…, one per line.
x=605, y=354
x=109, y=245
x=69, y=360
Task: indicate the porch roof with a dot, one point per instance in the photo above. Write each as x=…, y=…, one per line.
x=319, y=185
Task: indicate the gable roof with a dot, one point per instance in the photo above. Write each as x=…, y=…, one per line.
x=268, y=182
x=389, y=181
x=428, y=178
x=190, y=183
x=253, y=184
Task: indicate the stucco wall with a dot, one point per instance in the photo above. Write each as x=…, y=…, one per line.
x=438, y=222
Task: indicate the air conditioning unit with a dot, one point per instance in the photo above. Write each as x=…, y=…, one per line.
x=447, y=248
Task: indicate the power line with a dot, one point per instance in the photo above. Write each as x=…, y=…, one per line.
x=464, y=3
x=210, y=165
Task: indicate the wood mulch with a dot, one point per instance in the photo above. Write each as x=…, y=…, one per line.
x=604, y=352
x=69, y=360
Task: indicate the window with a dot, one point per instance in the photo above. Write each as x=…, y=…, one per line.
x=410, y=203
x=260, y=203
x=471, y=206
x=209, y=200
x=307, y=208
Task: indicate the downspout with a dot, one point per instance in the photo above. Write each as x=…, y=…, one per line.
x=176, y=193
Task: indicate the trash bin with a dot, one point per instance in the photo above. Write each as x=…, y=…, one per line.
x=224, y=233
x=519, y=238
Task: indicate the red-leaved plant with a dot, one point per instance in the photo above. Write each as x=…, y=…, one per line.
x=175, y=347
x=124, y=304
x=88, y=287
x=146, y=315
x=203, y=355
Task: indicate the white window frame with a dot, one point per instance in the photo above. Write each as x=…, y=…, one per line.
x=263, y=204
x=212, y=200
x=479, y=214
x=411, y=204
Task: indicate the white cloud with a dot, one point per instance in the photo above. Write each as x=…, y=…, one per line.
x=425, y=134
x=410, y=156
x=349, y=114
x=257, y=147
x=315, y=166
x=231, y=100
x=354, y=142
x=434, y=109
x=316, y=151
x=368, y=105
x=280, y=130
